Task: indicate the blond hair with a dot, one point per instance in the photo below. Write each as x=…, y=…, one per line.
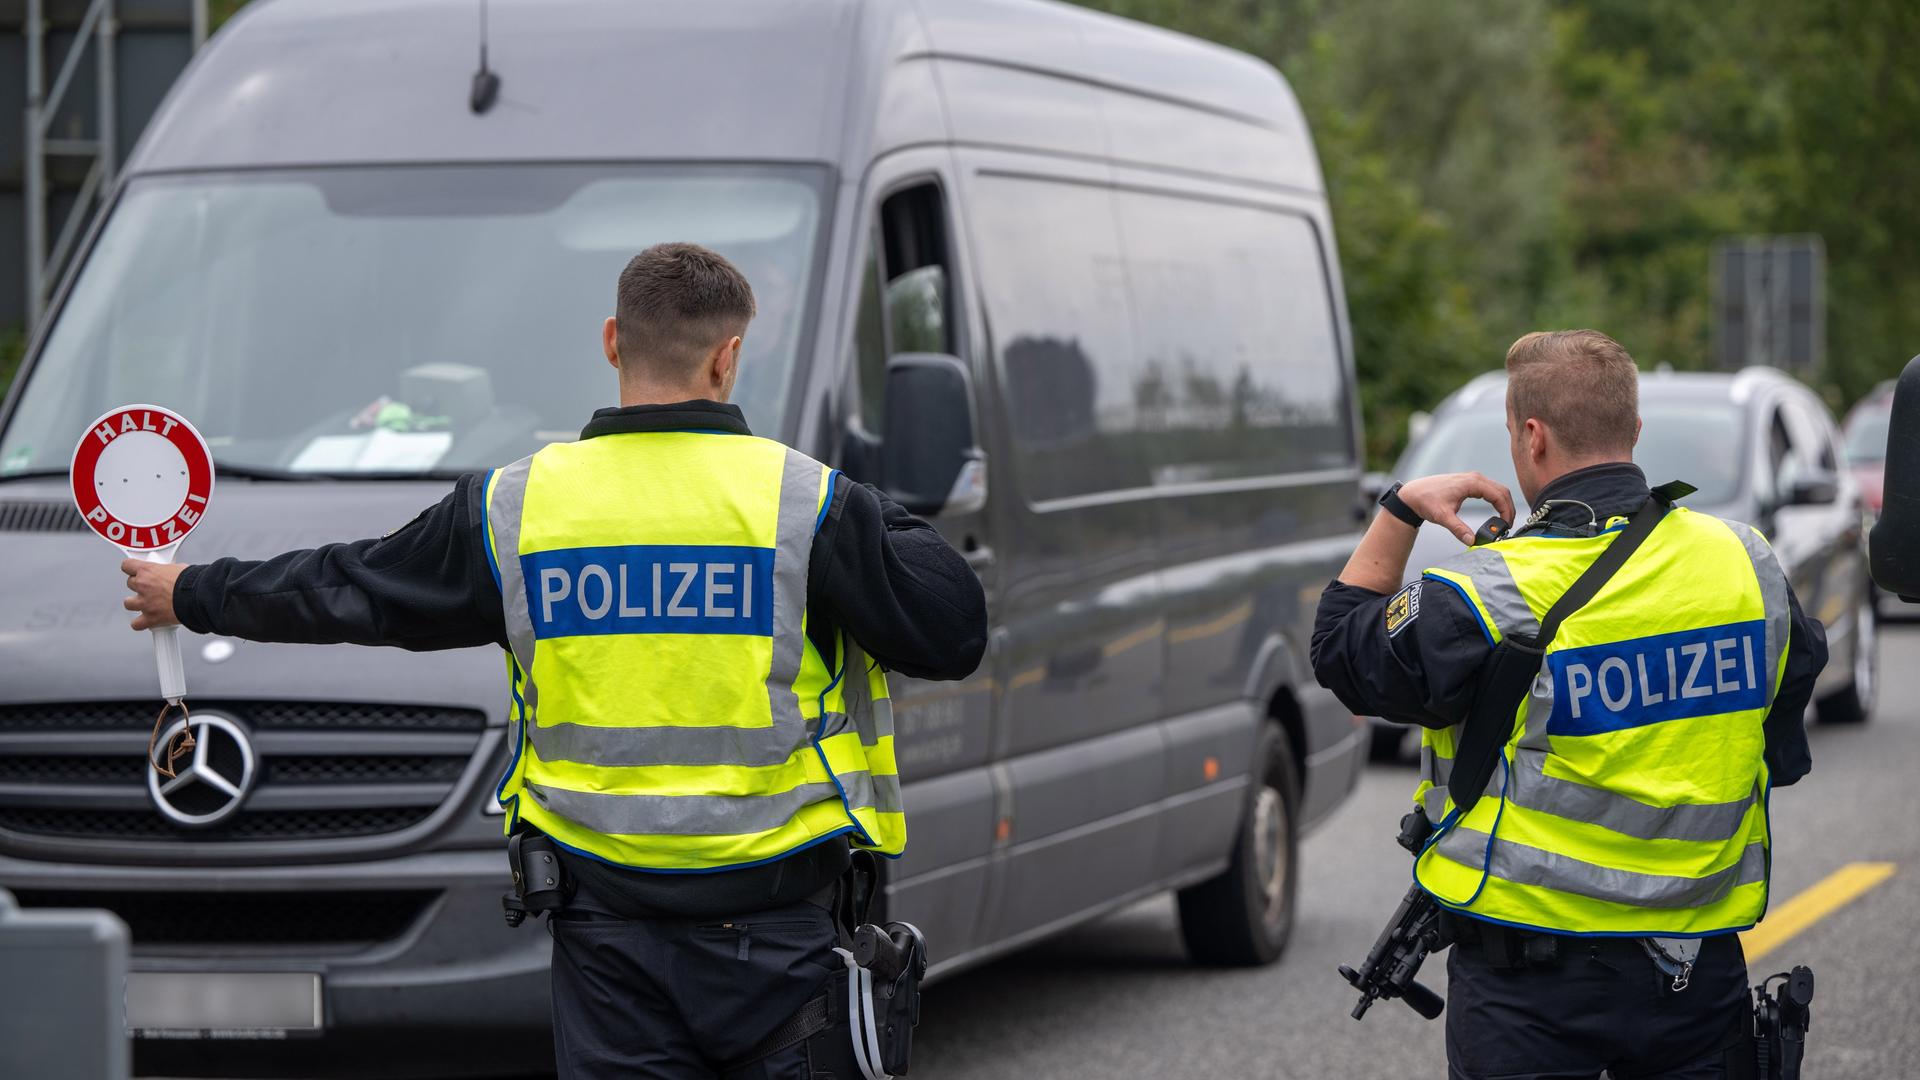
x=1581, y=384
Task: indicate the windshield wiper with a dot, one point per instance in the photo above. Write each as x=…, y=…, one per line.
x=267, y=473
x=227, y=470
x=34, y=474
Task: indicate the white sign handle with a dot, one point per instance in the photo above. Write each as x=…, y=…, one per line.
x=166, y=639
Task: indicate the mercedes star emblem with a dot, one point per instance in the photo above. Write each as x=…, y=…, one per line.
x=211, y=788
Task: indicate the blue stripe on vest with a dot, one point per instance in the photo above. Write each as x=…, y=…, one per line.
x=650, y=589
x=1649, y=680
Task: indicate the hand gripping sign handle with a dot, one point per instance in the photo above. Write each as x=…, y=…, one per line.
x=166, y=642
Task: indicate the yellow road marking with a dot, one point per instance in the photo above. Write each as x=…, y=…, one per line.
x=1829, y=895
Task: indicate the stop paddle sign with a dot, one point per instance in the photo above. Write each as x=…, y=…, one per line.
x=141, y=478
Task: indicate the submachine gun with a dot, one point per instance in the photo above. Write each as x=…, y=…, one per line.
x=1414, y=932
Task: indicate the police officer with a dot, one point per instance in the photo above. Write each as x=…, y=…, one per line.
x=697, y=626
x=1594, y=892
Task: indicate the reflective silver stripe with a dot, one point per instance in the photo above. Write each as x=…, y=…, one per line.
x=1773, y=597
x=1534, y=789
x=1434, y=767
x=665, y=745
x=1498, y=592
x=710, y=815
x=1436, y=803
x=1524, y=865
x=793, y=546
x=1539, y=711
x=503, y=518
x=873, y=718
x=674, y=745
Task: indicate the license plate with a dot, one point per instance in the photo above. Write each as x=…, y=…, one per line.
x=222, y=1004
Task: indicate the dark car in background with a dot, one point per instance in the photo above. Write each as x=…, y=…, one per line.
x=1760, y=447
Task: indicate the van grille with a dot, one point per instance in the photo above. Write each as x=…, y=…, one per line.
x=251, y=918
x=40, y=515
x=324, y=771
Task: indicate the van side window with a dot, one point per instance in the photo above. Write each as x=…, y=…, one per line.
x=1242, y=370
x=1055, y=288
x=913, y=229
x=870, y=349
x=905, y=300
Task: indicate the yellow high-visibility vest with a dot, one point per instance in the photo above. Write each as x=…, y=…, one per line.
x=671, y=712
x=1631, y=797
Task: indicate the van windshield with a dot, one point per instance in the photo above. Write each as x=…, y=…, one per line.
x=399, y=320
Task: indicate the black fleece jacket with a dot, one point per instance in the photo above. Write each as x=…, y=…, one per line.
x=881, y=574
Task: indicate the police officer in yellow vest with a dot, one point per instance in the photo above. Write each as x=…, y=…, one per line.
x=697, y=625
x=1594, y=891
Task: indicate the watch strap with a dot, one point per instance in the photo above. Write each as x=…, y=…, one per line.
x=1393, y=504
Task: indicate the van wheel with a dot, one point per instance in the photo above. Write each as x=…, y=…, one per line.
x=1242, y=918
x=1854, y=704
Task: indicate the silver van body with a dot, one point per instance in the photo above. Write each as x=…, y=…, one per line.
x=1123, y=234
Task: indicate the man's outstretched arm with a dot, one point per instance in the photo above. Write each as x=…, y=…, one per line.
x=426, y=585
x=897, y=586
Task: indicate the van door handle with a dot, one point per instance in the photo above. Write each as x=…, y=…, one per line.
x=979, y=558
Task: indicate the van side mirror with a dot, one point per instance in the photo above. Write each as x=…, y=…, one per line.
x=930, y=461
x=1893, y=549
x=1818, y=489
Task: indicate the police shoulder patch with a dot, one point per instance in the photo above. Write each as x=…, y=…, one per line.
x=1403, y=608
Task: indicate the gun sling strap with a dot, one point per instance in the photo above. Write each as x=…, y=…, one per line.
x=1507, y=675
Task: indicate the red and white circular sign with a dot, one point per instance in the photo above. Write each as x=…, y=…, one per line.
x=142, y=477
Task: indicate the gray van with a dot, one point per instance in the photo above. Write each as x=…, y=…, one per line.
x=1062, y=282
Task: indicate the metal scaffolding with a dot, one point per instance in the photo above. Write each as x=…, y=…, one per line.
x=96, y=37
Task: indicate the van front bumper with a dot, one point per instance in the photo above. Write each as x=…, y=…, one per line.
x=419, y=973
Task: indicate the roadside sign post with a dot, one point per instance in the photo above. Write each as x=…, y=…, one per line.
x=141, y=478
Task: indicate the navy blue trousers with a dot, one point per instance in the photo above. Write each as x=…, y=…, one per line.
x=1601, y=1007
x=680, y=999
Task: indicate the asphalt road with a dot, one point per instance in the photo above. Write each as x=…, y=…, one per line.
x=1117, y=998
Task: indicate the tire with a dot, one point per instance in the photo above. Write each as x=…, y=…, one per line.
x=1854, y=703
x=1243, y=917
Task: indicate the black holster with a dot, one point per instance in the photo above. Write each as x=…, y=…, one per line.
x=1780, y=1024
x=540, y=882
x=869, y=1007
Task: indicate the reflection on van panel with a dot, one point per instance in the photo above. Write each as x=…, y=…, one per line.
x=346, y=278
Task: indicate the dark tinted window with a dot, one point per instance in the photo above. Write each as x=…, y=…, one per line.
x=1240, y=371
x=1055, y=290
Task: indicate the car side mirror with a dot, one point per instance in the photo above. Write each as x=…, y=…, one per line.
x=930, y=459
x=1893, y=549
x=1819, y=489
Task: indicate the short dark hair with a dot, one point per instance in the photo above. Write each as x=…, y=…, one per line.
x=675, y=303
x=1581, y=384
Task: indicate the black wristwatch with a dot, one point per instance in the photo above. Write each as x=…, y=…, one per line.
x=1391, y=502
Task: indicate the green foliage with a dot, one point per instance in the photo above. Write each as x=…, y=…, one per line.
x=1499, y=166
